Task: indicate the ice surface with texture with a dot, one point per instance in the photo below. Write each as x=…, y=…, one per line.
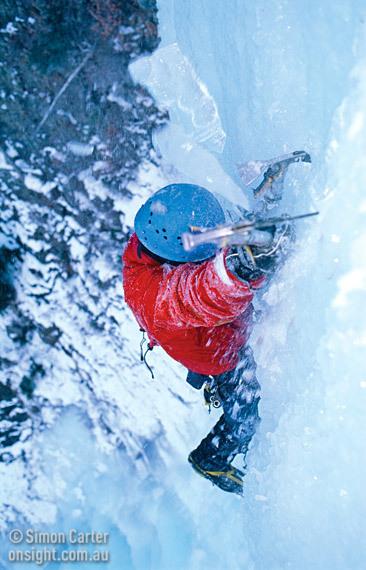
x=282, y=76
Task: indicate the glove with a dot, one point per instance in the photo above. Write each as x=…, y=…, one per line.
x=252, y=263
x=241, y=263
x=269, y=259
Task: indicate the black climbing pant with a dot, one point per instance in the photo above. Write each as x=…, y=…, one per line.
x=239, y=392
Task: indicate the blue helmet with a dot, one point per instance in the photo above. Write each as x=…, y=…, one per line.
x=163, y=218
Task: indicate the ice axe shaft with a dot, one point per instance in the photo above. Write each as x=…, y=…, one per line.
x=240, y=233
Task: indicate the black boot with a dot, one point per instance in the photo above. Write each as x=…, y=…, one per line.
x=220, y=472
x=226, y=476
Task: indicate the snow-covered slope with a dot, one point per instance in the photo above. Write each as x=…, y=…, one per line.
x=263, y=78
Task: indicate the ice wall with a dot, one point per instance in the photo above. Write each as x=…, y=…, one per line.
x=280, y=76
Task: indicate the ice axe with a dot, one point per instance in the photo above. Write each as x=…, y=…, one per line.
x=240, y=233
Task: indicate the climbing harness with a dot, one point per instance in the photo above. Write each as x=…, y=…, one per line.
x=211, y=394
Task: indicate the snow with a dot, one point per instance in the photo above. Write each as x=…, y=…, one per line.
x=34, y=183
x=149, y=179
x=94, y=187
x=80, y=149
x=273, y=77
x=114, y=98
x=9, y=29
x=54, y=153
x=3, y=163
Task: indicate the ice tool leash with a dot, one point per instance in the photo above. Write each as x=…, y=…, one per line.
x=143, y=353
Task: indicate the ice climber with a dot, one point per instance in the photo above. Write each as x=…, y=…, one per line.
x=197, y=306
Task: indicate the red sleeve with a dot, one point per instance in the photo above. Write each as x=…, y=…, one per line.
x=201, y=295
x=189, y=295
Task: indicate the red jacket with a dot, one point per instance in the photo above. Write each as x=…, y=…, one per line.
x=200, y=314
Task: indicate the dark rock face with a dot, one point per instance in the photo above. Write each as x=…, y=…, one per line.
x=7, y=290
x=73, y=130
